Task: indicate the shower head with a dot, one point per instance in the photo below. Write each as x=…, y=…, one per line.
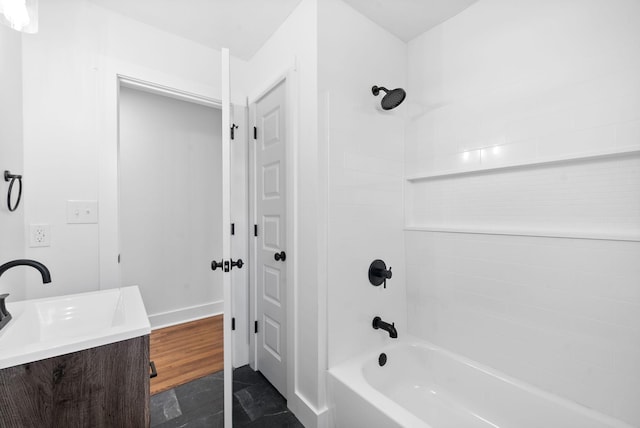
x=392, y=98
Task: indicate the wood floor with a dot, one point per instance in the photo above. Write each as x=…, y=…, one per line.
x=186, y=352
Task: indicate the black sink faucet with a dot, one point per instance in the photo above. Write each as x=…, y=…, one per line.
x=5, y=316
x=46, y=275
x=391, y=328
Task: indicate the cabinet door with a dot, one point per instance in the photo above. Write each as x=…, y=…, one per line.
x=106, y=386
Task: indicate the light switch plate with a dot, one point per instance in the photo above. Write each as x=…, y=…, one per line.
x=82, y=212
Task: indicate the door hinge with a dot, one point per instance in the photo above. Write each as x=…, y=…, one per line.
x=233, y=323
x=233, y=228
x=118, y=258
x=255, y=133
x=233, y=128
x=255, y=326
x=255, y=230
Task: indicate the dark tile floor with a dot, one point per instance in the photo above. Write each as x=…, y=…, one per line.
x=256, y=403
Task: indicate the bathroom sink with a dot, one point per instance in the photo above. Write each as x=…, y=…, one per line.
x=44, y=328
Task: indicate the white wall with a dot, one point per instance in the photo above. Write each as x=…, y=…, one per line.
x=365, y=177
x=295, y=43
x=551, y=293
x=170, y=170
x=60, y=150
x=70, y=125
x=11, y=158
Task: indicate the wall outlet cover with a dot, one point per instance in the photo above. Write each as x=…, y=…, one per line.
x=39, y=235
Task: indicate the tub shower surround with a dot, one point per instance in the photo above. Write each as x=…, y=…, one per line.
x=520, y=228
x=522, y=196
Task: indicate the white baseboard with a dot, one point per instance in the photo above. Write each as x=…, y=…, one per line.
x=191, y=313
x=307, y=414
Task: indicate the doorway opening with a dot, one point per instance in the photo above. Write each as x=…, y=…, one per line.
x=170, y=226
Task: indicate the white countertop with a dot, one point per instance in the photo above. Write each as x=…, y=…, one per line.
x=44, y=328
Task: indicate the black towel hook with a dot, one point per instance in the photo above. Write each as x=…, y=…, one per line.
x=12, y=178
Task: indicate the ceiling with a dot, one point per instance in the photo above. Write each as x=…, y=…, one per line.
x=409, y=18
x=245, y=25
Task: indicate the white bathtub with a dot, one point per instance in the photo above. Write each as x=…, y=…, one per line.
x=422, y=385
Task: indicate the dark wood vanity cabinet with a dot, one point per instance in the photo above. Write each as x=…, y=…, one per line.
x=106, y=386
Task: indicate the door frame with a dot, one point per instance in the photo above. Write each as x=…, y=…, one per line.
x=196, y=312
x=158, y=89
x=289, y=79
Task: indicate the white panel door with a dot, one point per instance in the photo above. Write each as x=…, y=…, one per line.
x=271, y=252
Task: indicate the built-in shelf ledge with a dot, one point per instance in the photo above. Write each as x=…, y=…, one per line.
x=524, y=165
x=604, y=236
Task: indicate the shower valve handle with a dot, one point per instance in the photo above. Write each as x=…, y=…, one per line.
x=378, y=273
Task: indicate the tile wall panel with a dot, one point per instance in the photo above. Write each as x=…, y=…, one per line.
x=561, y=314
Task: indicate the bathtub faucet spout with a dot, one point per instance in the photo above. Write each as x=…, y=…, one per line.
x=391, y=328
